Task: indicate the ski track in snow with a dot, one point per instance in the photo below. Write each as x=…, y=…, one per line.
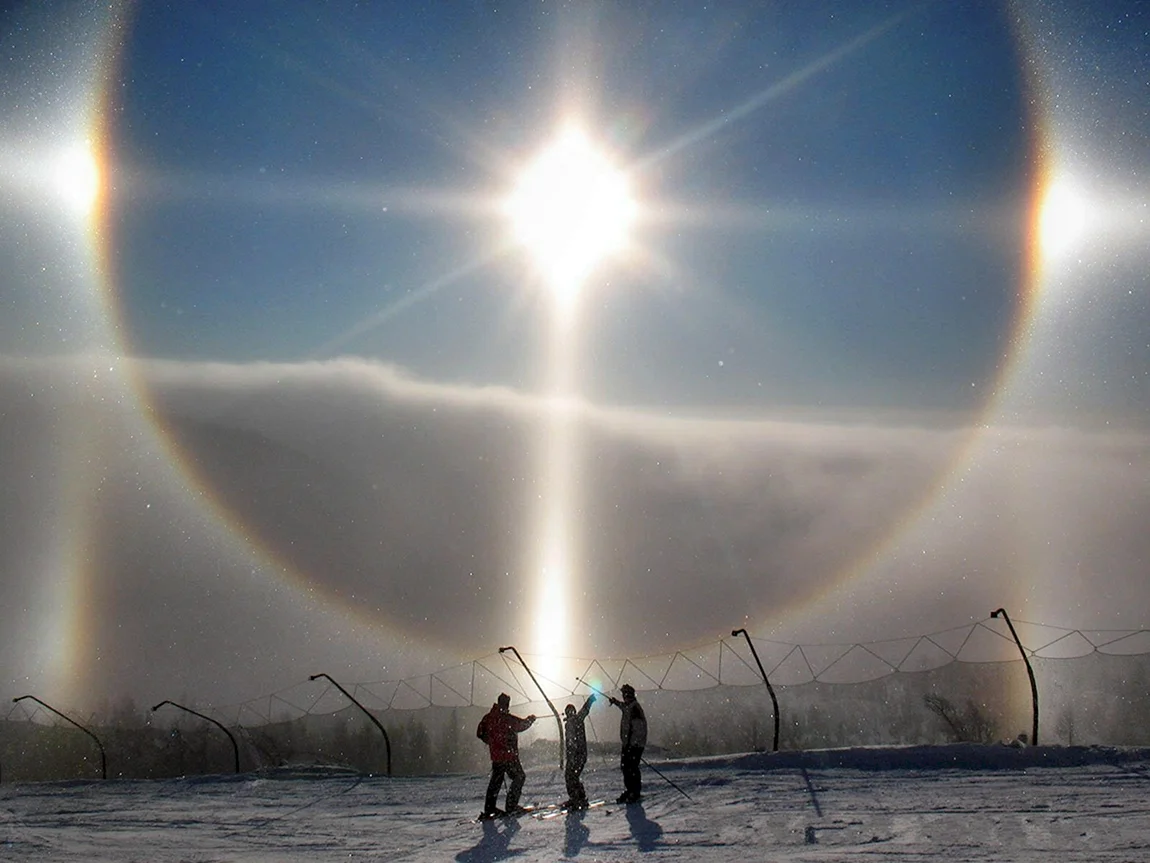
x=913, y=804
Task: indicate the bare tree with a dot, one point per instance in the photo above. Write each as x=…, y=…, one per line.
x=965, y=725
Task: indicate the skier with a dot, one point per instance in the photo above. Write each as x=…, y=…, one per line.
x=500, y=730
x=575, y=742
x=633, y=735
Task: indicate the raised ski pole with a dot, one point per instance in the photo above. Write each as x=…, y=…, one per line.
x=770, y=689
x=1029, y=671
x=594, y=688
x=641, y=758
x=558, y=721
x=235, y=746
x=366, y=712
x=99, y=745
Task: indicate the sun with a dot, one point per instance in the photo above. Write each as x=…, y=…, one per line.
x=571, y=209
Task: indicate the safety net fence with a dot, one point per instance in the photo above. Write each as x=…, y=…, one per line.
x=738, y=693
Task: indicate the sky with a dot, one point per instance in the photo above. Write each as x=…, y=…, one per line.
x=284, y=389
x=945, y=803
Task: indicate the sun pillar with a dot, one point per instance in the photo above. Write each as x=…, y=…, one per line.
x=570, y=210
x=553, y=607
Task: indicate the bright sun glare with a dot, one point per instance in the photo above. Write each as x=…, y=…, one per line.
x=571, y=209
x=1061, y=219
x=76, y=178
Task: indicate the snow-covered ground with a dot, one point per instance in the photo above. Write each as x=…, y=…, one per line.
x=962, y=802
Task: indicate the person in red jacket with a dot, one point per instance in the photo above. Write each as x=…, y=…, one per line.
x=500, y=730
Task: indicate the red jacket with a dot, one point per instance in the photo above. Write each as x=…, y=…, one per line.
x=500, y=731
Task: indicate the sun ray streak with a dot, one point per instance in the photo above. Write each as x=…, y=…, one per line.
x=136, y=184
x=412, y=298
x=773, y=92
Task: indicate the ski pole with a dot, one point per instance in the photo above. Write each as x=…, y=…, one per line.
x=592, y=687
x=641, y=758
x=665, y=779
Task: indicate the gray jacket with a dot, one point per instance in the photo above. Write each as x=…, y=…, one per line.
x=633, y=724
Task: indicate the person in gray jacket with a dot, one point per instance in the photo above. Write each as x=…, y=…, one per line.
x=575, y=744
x=633, y=736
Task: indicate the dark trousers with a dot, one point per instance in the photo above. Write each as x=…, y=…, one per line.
x=572, y=772
x=514, y=771
x=629, y=764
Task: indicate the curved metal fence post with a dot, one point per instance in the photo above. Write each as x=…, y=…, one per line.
x=235, y=746
x=558, y=721
x=367, y=713
x=1029, y=671
x=99, y=745
x=770, y=689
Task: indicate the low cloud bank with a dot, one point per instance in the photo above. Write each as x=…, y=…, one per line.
x=414, y=505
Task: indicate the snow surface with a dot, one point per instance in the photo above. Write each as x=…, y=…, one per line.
x=961, y=802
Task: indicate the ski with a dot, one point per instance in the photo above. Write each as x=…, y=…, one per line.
x=554, y=812
x=515, y=813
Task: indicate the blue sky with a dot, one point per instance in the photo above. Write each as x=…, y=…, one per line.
x=877, y=259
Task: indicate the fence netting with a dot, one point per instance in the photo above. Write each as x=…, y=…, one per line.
x=967, y=682
x=727, y=662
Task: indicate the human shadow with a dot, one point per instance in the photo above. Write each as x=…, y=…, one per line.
x=646, y=832
x=577, y=833
x=495, y=844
